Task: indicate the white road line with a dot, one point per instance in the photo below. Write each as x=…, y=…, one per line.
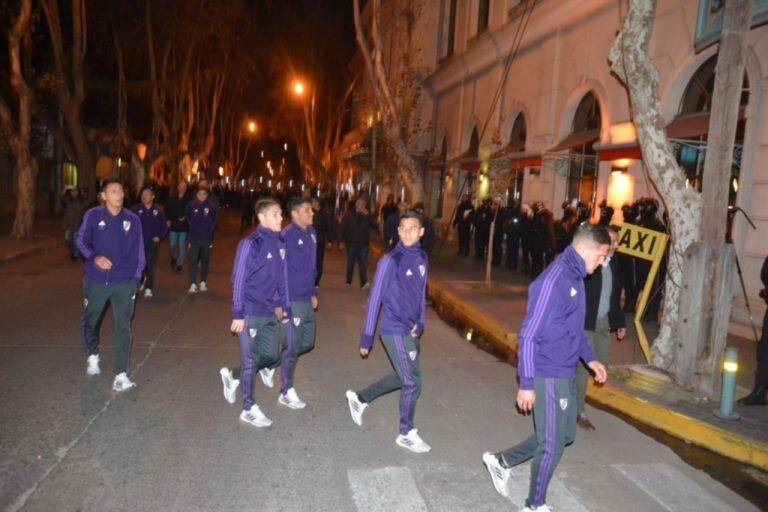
x=671, y=489
x=385, y=489
x=558, y=496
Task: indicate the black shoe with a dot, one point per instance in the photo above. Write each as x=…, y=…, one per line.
x=756, y=397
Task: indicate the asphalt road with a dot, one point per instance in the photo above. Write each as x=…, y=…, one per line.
x=68, y=443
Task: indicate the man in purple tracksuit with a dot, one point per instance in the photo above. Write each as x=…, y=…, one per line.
x=551, y=342
x=300, y=255
x=112, y=245
x=154, y=228
x=399, y=285
x=259, y=305
x=202, y=216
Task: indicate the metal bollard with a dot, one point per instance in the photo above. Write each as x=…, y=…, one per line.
x=730, y=367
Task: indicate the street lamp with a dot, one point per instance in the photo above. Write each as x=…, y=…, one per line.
x=252, y=127
x=298, y=88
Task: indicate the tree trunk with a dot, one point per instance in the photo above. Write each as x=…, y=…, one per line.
x=26, y=166
x=631, y=63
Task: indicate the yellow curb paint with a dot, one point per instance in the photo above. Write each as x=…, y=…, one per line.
x=697, y=432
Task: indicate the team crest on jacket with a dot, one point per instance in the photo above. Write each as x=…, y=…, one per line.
x=126, y=225
x=301, y=242
x=206, y=210
x=422, y=270
x=573, y=292
x=282, y=254
x=563, y=403
x=296, y=321
x=155, y=212
x=253, y=332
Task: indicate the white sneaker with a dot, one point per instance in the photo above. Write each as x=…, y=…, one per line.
x=255, y=417
x=203, y=288
x=291, y=399
x=413, y=442
x=93, y=365
x=540, y=508
x=148, y=293
x=267, y=377
x=122, y=383
x=230, y=384
x=193, y=288
x=356, y=407
x=499, y=474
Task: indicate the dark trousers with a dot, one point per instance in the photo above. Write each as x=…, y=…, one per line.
x=761, y=376
x=357, y=254
x=150, y=254
x=199, y=252
x=70, y=237
x=513, y=250
x=403, y=352
x=554, y=420
x=299, y=338
x=259, y=344
x=481, y=243
x=319, y=261
x=464, y=236
x=121, y=297
x=496, y=253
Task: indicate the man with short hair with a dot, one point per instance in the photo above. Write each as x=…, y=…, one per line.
x=300, y=253
x=259, y=305
x=202, y=216
x=355, y=230
x=398, y=289
x=603, y=315
x=551, y=342
x=111, y=242
x=153, y=228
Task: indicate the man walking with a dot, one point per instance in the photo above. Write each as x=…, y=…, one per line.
x=202, y=216
x=552, y=341
x=259, y=305
x=399, y=286
x=463, y=224
x=153, y=228
x=111, y=242
x=176, y=213
x=603, y=315
x=355, y=231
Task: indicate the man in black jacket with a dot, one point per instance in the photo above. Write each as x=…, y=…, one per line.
x=759, y=395
x=463, y=223
x=603, y=315
x=175, y=213
x=355, y=232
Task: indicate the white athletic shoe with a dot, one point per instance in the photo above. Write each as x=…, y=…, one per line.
x=291, y=399
x=148, y=293
x=193, y=288
x=203, y=288
x=356, y=407
x=413, y=442
x=230, y=384
x=255, y=417
x=267, y=377
x=540, y=508
x=122, y=383
x=93, y=365
x=499, y=474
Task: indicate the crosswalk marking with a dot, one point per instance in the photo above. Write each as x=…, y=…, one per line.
x=670, y=488
x=558, y=496
x=385, y=489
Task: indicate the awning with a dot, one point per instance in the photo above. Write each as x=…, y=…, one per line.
x=504, y=152
x=468, y=161
x=521, y=159
x=576, y=139
x=693, y=126
x=607, y=152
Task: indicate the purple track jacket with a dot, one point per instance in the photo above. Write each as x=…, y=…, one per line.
x=259, y=277
x=300, y=256
x=152, y=222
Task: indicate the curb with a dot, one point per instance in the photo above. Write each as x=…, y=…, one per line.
x=46, y=243
x=699, y=433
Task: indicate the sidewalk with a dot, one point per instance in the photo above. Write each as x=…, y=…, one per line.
x=491, y=317
x=48, y=235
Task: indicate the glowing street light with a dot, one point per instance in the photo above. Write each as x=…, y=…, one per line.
x=298, y=88
x=252, y=127
x=221, y=171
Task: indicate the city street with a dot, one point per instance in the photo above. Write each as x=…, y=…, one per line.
x=67, y=442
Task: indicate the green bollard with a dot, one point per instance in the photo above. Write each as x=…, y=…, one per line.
x=730, y=367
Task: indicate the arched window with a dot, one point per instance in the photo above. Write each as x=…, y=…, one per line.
x=688, y=132
x=582, y=161
x=517, y=135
